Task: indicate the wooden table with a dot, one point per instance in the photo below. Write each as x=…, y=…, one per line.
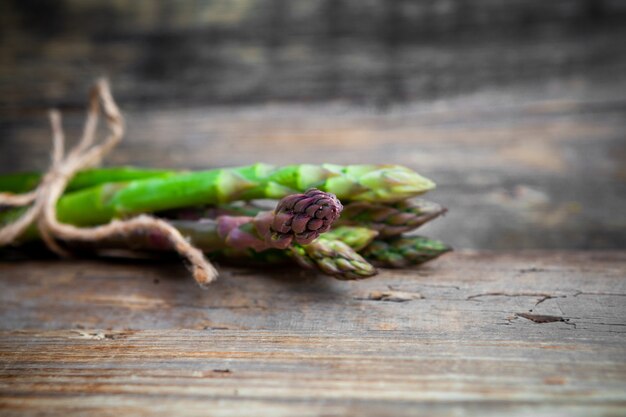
x=517, y=111
x=475, y=333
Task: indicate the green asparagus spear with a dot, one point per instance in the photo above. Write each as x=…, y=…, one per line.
x=104, y=202
x=401, y=252
x=28, y=181
x=19, y=183
x=387, y=219
x=393, y=253
x=201, y=232
x=333, y=257
x=391, y=219
x=348, y=182
x=356, y=237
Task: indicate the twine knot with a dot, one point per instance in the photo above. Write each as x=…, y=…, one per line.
x=86, y=154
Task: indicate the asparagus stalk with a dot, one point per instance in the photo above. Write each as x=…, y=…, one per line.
x=104, y=202
x=398, y=252
x=328, y=254
x=27, y=181
x=387, y=219
x=349, y=182
x=393, y=253
x=391, y=219
x=401, y=252
x=358, y=238
x=332, y=257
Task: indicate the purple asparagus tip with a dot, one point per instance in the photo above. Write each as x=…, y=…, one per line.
x=305, y=216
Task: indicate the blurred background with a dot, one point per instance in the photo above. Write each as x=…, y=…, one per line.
x=517, y=109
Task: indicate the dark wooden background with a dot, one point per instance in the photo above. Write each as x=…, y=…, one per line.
x=516, y=109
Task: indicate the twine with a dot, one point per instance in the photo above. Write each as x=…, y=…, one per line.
x=85, y=154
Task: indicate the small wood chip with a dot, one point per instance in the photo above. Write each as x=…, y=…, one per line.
x=394, y=296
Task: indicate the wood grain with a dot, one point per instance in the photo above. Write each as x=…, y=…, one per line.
x=139, y=339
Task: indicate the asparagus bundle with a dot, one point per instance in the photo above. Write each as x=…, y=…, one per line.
x=379, y=208
x=59, y=203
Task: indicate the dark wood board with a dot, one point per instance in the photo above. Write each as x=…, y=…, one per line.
x=480, y=333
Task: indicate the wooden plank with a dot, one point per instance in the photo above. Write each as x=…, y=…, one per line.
x=141, y=338
x=254, y=51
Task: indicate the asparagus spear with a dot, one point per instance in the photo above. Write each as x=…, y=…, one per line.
x=104, y=202
x=327, y=254
x=387, y=219
x=391, y=219
x=333, y=257
x=400, y=252
x=392, y=253
x=27, y=181
x=349, y=182
x=356, y=237
x=200, y=232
